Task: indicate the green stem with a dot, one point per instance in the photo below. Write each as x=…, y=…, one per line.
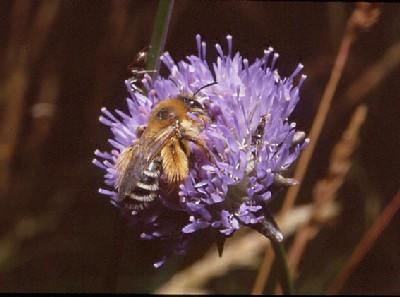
x=159, y=35
x=284, y=274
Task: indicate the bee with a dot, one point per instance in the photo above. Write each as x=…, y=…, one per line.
x=162, y=149
x=137, y=70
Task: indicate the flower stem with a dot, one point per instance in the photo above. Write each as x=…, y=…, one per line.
x=159, y=35
x=284, y=274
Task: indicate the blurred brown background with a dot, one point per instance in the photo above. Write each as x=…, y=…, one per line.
x=61, y=61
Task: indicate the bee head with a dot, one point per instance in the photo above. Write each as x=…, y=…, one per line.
x=167, y=112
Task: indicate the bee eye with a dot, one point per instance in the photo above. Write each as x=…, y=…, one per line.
x=192, y=103
x=165, y=114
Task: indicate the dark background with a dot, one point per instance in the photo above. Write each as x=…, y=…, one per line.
x=61, y=61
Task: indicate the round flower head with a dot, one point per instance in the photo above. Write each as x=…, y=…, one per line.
x=249, y=139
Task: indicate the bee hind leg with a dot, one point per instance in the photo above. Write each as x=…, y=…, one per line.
x=200, y=143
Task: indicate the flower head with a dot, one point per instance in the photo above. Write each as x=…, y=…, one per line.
x=249, y=137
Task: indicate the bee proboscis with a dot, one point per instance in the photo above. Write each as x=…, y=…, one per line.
x=162, y=148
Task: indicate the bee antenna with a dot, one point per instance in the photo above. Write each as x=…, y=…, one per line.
x=205, y=86
x=175, y=83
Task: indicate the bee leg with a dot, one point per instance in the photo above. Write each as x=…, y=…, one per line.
x=200, y=143
x=132, y=83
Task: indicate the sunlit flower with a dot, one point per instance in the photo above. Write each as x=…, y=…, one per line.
x=250, y=137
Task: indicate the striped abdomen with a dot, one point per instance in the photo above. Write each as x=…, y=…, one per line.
x=145, y=190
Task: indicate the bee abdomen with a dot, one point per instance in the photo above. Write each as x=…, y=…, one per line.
x=150, y=174
x=148, y=187
x=145, y=190
x=143, y=198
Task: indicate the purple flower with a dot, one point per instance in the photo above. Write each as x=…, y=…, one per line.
x=250, y=138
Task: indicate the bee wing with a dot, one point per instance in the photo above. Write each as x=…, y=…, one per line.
x=124, y=164
x=133, y=160
x=153, y=147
